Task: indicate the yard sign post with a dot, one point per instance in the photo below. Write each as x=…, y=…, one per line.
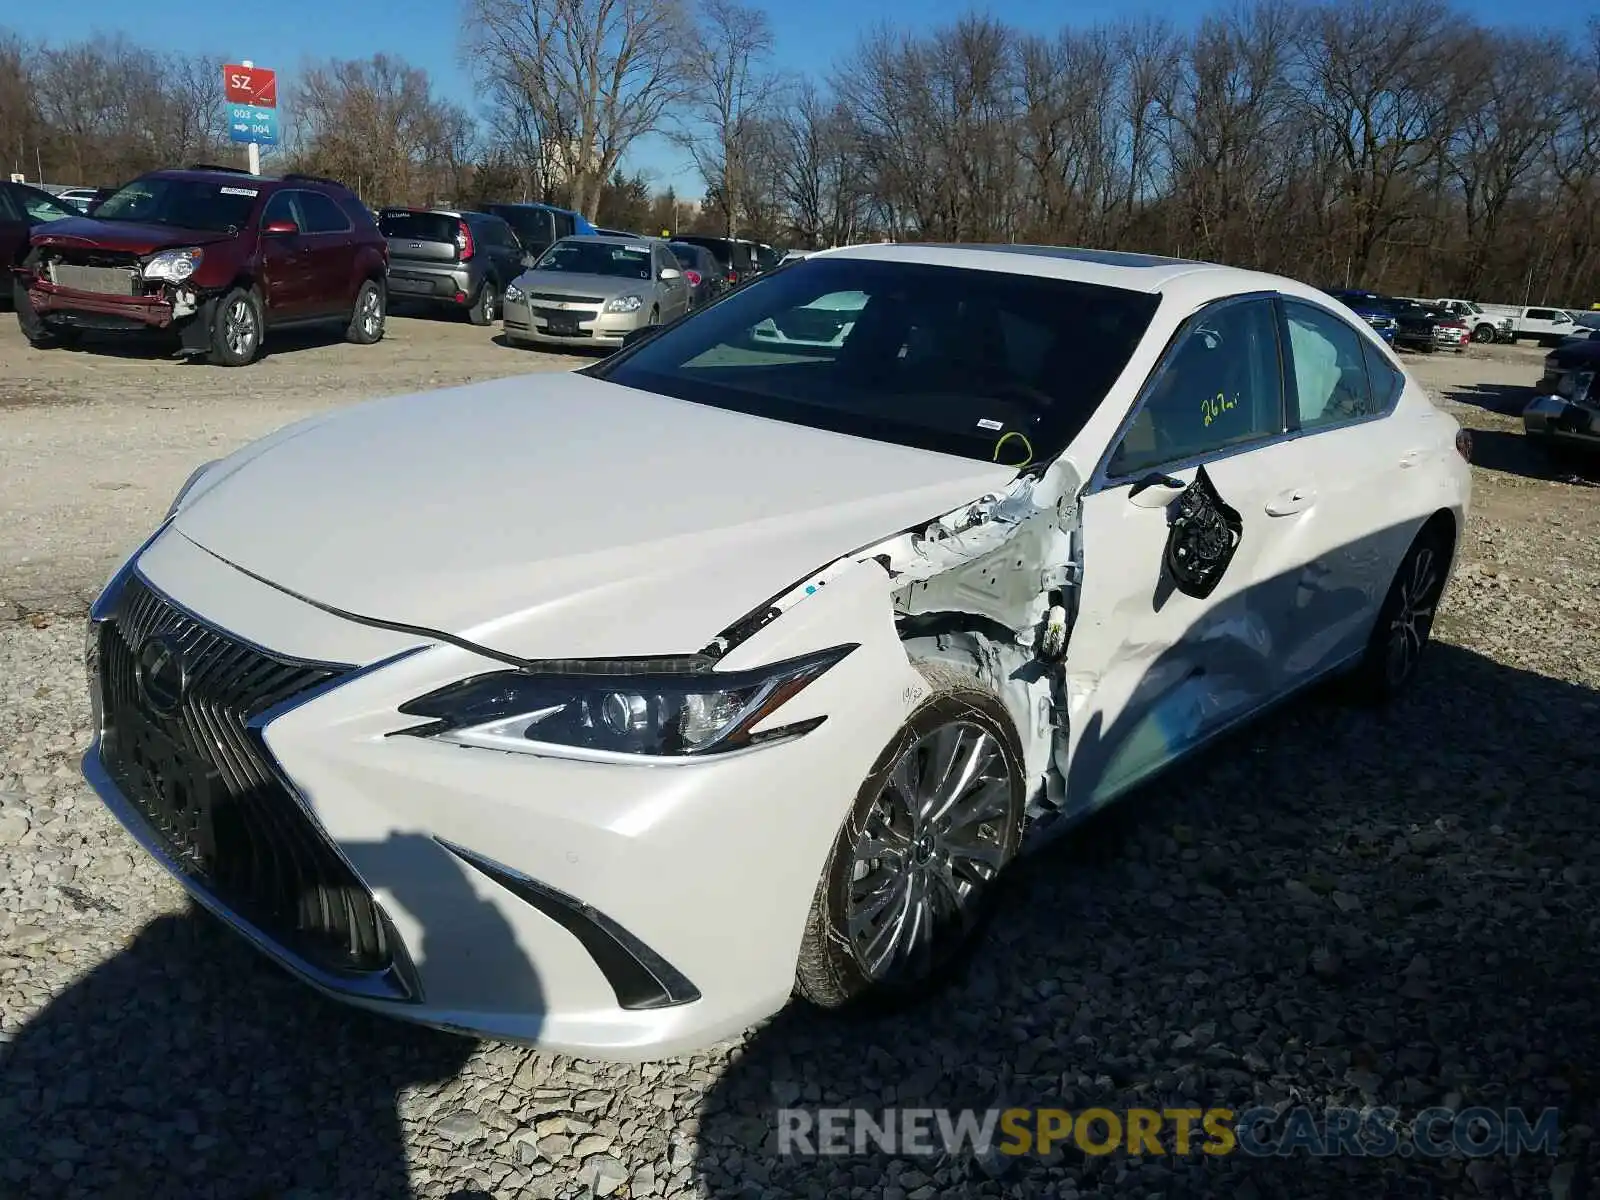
x=252, y=95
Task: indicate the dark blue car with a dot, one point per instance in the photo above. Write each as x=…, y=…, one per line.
x=1369, y=306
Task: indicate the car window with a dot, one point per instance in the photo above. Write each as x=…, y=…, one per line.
x=322, y=214
x=909, y=353
x=1383, y=377
x=1541, y=314
x=1330, y=370
x=8, y=207
x=182, y=203
x=565, y=225
x=43, y=207
x=1221, y=386
x=533, y=226
x=282, y=206
x=587, y=256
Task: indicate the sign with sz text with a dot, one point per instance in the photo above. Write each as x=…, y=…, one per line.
x=248, y=123
x=255, y=86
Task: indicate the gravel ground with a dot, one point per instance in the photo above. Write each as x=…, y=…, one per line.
x=1335, y=908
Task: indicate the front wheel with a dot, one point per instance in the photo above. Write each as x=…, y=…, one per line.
x=236, y=329
x=1405, y=622
x=913, y=871
x=486, y=307
x=1484, y=333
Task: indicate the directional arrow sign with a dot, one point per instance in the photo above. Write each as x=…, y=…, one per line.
x=255, y=86
x=247, y=123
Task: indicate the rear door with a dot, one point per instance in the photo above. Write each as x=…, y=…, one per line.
x=332, y=252
x=674, y=292
x=1186, y=571
x=501, y=244
x=285, y=260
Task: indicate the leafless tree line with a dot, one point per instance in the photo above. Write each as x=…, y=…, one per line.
x=1387, y=143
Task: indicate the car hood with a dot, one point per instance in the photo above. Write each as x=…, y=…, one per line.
x=555, y=516
x=125, y=236
x=568, y=283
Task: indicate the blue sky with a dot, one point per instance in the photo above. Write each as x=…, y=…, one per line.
x=811, y=34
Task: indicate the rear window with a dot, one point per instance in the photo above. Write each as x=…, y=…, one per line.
x=719, y=248
x=183, y=203
x=418, y=227
x=585, y=256
x=989, y=365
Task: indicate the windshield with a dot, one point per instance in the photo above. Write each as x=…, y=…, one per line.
x=586, y=256
x=984, y=364
x=182, y=203
x=42, y=206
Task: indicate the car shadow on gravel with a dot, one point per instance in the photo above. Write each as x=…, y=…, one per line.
x=1334, y=907
x=156, y=347
x=1506, y=399
x=1512, y=453
x=190, y=1066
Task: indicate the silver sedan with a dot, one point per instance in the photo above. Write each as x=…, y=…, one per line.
x=593, y=291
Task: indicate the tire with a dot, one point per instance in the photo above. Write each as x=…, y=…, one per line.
x=368, y=318
x=1484, y=333
x=39, y=335
x=838, y=964
x=486, y=308
x=1394, y=650
x=236, y=329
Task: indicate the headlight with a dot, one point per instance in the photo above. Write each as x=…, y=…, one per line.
x=513, y=293
x=621, y=711
x=194, y=478
x=621, y=304
x=174, y=265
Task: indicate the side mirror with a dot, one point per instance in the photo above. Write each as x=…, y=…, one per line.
x=668, y=274
x=1155, y=490
x=281, y=229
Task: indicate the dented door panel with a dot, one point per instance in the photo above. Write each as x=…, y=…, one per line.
x=1153, y=669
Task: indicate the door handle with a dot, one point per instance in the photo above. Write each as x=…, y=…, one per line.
x=1288, y=503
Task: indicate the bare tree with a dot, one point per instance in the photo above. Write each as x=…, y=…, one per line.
x=731, y=92
x=593, y=76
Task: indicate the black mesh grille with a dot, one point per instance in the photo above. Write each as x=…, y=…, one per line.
x=208, y=789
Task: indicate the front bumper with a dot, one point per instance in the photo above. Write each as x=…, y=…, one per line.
x=621, y=912
x=94, y=310
x=527, y=321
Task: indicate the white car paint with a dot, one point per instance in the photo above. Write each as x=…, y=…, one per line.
x=428, y=539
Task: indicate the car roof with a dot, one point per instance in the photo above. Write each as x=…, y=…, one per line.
x=1185, y=279
x=607, y=239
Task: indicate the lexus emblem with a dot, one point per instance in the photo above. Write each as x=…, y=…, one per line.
x=162, y=674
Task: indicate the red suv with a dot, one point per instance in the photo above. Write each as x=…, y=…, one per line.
x=219, y=256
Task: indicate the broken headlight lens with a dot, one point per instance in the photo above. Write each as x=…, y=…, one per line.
x=174, y=266
x=621, y=710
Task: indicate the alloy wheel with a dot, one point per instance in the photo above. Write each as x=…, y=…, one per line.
x=371, y=313
x=1412, y=621
x=239, y=328
x=932, y=843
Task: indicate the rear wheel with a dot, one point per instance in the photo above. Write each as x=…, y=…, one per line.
x=912, y=875
x=368, y=318
x=1405, y=621
x=236, y=329
x=486, y=308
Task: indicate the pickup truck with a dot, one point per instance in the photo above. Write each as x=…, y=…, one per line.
x=1547, y=326
x=1486, y=325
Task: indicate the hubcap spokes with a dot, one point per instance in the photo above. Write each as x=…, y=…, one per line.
x=370, y=314
x=239, y=328
x=934, y=838
x=1413, y=618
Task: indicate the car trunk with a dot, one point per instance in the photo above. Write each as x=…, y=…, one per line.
x=421, y=237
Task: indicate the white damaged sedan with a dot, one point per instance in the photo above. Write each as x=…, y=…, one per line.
x=608, y=710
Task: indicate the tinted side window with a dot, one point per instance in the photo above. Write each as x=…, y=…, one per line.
x=1222, y=386
x=565, y=226
x=282, y=207
x=322, y=215
x=1541, y=314
x=8, y=209
x=1383, y=378
x=1330, y=370
x=359, y=215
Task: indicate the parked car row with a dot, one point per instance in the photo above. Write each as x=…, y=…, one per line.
x=1406, y=323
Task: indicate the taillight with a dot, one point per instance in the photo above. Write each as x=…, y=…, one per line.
x=693, y=277
x=463, y=241
x=1464, y=444
x=733, y=276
